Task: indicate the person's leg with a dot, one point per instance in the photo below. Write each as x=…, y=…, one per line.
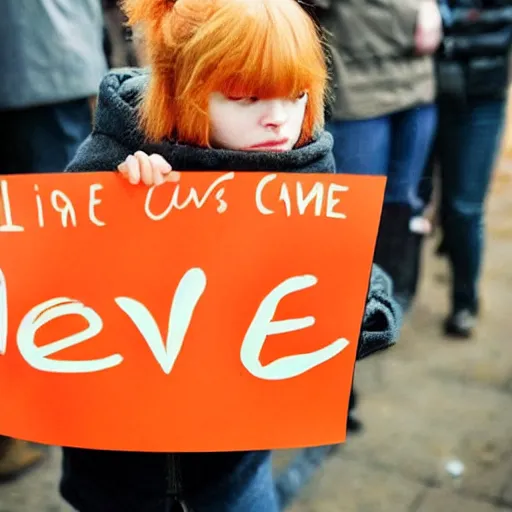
x=298, y=473
x=402, y=227
x=361, y=147
x=247, y=489
x=430, y=194
x=45, y=139
x=426, y=186
x=468, y=147
x=413, y=133
x=16, y=457
x=354, y=424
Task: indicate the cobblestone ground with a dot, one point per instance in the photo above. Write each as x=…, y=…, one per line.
x=424, y=403
x=430, y=401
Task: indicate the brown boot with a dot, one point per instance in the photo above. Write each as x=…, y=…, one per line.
x=16, y=457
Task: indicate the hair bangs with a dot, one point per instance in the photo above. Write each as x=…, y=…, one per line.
x=272, y=52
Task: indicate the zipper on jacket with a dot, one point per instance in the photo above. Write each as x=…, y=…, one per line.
x=174, y=491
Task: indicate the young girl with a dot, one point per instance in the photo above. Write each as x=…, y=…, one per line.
x=233, y=85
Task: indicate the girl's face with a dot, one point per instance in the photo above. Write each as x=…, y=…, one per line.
x=251, y=124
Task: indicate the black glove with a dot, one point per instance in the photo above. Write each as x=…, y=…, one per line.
x=382, y=317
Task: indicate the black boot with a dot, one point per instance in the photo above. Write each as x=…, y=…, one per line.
x=354, y=424
x=16, y=457
x=460, y=324
x=398, y=251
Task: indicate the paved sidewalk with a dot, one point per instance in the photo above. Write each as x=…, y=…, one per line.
x=430, y=401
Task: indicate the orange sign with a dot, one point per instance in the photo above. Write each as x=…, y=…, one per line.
x=219, y=314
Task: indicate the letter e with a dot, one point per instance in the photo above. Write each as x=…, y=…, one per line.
x=263, y=325
x=93, y=201
x=38, y=357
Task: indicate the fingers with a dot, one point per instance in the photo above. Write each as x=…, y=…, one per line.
x=164, y=170
x=150, y=170
x=146, y=171
x=160, y=163
x=129, y=169
x=160, y=168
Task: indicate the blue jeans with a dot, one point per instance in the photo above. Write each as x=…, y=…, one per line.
x=240, y=493
x=102, y=481
x=395, y=145
x=468, y=142
x=299, y=471
x=43, y=139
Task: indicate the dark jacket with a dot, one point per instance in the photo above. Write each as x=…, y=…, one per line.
x=474, y=57
x=100, y=481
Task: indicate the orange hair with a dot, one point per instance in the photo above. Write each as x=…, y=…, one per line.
x=260, y=48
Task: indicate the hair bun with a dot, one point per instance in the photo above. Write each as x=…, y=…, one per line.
x=168, y=21
x=186, y=18
x=146, y=11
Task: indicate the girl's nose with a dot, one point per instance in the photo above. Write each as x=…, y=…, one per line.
x=275, y=114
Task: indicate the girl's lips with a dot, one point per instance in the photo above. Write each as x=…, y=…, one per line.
x=270, y=144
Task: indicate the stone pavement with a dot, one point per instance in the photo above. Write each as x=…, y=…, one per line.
x=424, y=403
x=429, y=401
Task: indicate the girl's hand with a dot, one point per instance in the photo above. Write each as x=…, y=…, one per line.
x=148, y=169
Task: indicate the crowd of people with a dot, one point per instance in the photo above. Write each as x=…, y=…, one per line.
x=415, y=90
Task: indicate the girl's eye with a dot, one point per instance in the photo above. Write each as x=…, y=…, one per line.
x=301, y=95
x=244, y=99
